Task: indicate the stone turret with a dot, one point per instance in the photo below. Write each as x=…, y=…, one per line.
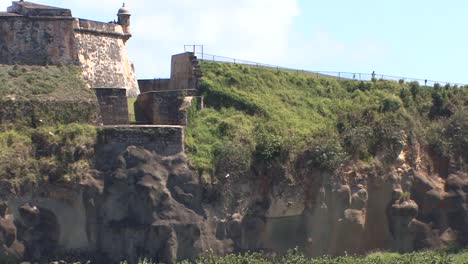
x=124, y=18
x=35, y=34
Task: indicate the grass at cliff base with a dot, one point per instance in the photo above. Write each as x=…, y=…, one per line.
x=258, y=114
x=296, y=257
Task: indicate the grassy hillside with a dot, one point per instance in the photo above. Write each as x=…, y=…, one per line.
x=256, y=114
x=45, y=131
x=35, y=95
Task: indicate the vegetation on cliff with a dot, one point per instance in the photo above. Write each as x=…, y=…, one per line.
x=264, y=114
x=48, y=154
x=45, y=134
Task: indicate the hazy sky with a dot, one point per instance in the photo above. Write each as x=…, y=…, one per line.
x=422, y=39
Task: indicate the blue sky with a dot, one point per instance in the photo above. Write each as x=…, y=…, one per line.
x=421, y=39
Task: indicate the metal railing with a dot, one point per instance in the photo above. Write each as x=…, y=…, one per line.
x=318, y=74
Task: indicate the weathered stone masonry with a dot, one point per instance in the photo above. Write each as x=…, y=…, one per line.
x=163, y=140
x=164, y=101
x=40, y=35
x=113, y=105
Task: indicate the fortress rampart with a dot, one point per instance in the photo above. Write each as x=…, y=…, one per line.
x=164, y=101
x=35, y=34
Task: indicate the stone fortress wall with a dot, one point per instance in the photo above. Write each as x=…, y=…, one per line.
x=164, y=101
x=42, y=35
x=163, y=140
x=103, y=56
x=39, y=35
x=113, y=105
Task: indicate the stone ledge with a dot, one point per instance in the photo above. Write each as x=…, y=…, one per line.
x=163, y=140
x=33, y=9
x=99, y=32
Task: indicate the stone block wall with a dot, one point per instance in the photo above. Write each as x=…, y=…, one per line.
x=164, y=101
x=113, y=105
x=32, y=9
x=185, y=71
x=39, y=35
x=103, y=57
x=154, y=85
x=38, y=41
x=162, y=108
x=163, y=140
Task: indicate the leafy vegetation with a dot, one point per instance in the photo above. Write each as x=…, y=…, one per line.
x=296, y=257
x=44, y=131
x=255, y=114
x=60, y=153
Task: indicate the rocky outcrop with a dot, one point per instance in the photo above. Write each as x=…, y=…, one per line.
x=147, y=205
x=138, y=202
x=141, y=204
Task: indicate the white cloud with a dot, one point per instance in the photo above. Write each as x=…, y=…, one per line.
x=253, y=29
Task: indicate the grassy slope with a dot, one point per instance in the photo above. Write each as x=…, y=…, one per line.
x=131, y=109
x=30, y=95
x=44, y=130
x=59, y=83
x=254, y=113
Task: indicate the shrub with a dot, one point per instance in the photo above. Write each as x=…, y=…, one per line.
x=16, y=159
x=390, y=104
x=269, y=143
x=232, y=158
x=324, y=151
x=414, y=88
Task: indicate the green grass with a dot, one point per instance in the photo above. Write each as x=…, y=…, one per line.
x=277, y=115
x=131, y=109
x=48, y=154
x=296, y=257
x=460, y=257
x=62, y=83
x=32, y=96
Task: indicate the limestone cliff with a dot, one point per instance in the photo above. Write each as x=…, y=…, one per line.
x=276, y=160
x=136, y=202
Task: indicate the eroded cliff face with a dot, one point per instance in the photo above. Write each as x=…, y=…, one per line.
x=135, y=203
x=138, y=203
x=396, y=205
